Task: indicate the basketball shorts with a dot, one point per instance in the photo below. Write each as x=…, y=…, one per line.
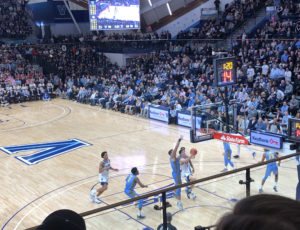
x=270, y=170
x=186, y=176
x=103, y=179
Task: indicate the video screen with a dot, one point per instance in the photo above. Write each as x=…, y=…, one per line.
x=114, y=14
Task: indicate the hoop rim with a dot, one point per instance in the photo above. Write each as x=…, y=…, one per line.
x=206, y=131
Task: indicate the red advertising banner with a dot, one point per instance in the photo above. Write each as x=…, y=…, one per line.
x=236, y=139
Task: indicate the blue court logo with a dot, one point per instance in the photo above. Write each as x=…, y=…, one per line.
x=45, y=150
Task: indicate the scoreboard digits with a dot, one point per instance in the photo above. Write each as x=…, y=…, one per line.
x=228, y=66
x=225, y=71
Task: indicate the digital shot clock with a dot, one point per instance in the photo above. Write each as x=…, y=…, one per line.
x=224, y=71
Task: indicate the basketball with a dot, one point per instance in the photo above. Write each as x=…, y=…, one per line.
x=193, y=151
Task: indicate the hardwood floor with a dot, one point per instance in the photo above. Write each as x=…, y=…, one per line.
x=34, y=186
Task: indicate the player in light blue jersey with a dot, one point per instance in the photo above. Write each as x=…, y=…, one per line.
x=271, y=168
x=131, y=182
x=227, y=156
x=176, y=174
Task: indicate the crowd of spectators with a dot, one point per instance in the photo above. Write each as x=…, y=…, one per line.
x=287, y=8
x=285, y=28
x=233, y=16
x=178, y=77
x=284, y=24
x=181, y=76
x=14, y=22
x=20, y=81
x=271, y=64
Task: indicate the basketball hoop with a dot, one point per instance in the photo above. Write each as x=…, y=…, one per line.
x=206, y=131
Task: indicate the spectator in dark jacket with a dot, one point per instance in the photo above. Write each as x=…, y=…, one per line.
x=252, y=123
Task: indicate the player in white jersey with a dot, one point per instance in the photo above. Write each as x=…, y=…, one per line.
x=187, y=170
x=104, y=168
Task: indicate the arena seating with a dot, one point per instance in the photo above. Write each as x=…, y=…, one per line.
x=14, y=19
x=234, y=15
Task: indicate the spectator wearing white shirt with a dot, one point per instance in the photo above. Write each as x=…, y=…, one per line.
x=178, y=107
x=287, y=75
x=243, y=96
x=250, y=73
x=265, y=69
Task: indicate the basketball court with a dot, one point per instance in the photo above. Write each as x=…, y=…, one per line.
x=68, y=138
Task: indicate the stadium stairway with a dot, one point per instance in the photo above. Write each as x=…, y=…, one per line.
x=260, y=14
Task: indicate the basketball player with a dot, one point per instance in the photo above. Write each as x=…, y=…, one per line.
x=104, y=168
x=187, y=170
x=271, y=167
x=227, y=156
x=175, y=164
x=131, y=182
x=246, y=146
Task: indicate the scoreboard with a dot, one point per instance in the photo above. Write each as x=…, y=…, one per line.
x=114, y=14
x=225, y=71
x=294, y=130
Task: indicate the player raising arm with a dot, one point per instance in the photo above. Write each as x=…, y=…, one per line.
x=175, y=165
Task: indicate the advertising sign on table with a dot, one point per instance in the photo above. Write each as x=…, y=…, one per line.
x=266, y=139
x=159, y=113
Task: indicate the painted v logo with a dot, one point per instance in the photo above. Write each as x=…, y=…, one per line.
x=47, y=150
